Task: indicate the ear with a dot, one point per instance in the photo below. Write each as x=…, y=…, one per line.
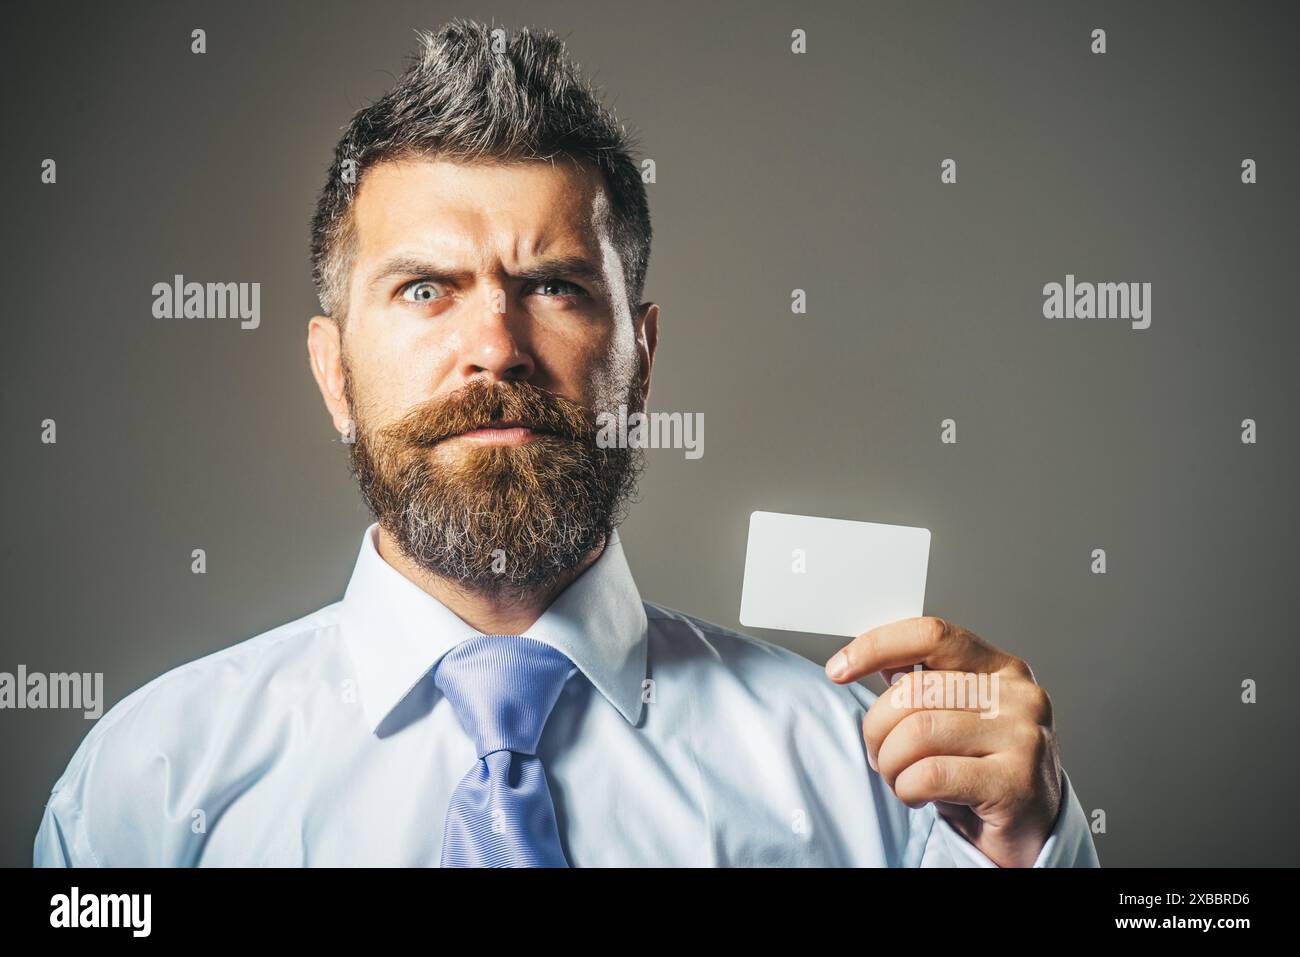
x=647, y=339
x=325, y=353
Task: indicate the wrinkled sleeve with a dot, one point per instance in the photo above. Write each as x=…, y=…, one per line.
x=61, y=840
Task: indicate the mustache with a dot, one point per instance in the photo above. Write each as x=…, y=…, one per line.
x=482, y=405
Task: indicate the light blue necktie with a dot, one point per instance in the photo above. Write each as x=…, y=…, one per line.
x=502, y=688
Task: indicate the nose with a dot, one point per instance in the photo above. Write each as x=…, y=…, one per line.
x=491, y=346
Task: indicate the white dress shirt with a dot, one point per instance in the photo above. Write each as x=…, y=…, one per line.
x=324, y=742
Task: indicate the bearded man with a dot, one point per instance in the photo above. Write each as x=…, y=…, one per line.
x=492, y=690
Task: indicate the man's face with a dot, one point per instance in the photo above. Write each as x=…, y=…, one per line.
x=482, y=295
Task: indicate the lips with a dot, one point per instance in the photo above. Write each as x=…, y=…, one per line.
x=511, y=431
x=500, y=426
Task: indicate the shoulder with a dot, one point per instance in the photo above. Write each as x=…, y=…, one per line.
x=179, y=701
x=763, y=669
x=151, y=744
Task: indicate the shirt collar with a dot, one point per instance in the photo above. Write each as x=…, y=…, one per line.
x=396, y=632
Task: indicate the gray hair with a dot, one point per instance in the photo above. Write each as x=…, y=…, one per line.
x=460, y=99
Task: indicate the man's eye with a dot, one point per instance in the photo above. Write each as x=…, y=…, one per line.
x=422, y=291
x=558, y=287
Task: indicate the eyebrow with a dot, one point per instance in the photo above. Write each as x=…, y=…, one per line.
x=576, y=267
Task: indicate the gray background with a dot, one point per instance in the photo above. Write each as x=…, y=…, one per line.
x=774, y=172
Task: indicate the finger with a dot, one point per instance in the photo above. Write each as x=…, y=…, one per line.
x=998, y=698
x=925, y=734
x=974, y=782
x=908, y=695
x=930, y=641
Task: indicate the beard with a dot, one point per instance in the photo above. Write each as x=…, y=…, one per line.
x=498, y=520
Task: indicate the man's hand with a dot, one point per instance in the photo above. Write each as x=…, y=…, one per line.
x=996, y=776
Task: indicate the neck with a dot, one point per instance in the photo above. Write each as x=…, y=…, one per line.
x=505, y=613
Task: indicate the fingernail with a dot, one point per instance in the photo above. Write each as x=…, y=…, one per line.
x=838, y=666
x=872, y=761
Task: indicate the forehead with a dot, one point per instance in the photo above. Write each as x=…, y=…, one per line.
x=506, y=211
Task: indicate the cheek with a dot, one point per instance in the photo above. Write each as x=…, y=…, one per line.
x=619, y=368
x=393, y=376
x=595, y=369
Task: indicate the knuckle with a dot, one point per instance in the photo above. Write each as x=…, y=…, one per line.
x=922, y=725
x=934, y=776
x=1019, y=667
x=935, y=628
x=1027, y=760
x=917, y=727
x=1028, y=738
x=1040, y=706
x=1043, y=744
x=916, y=784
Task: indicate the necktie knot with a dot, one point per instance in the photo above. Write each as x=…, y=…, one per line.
x=502, y=688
